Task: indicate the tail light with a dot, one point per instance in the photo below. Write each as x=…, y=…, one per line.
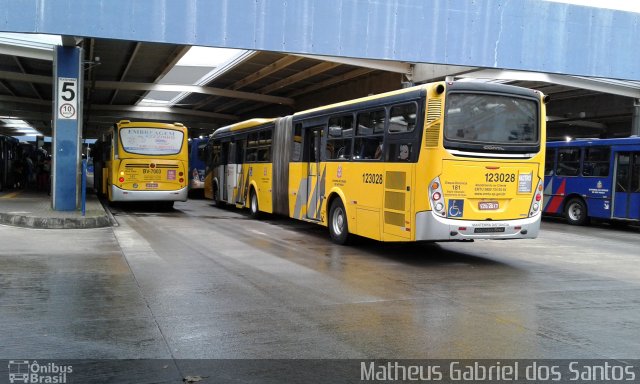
x=181, y=180
x=121, y=179
x=436, y=198
x=536, y=201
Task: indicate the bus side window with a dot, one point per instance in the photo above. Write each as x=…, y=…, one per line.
x=596, y=161
x=400, y=152
x=339, y=138
x=251, y=154
x=568, y=162
x=549, y=162
x=402, y=118
x=297, y=143
x=264, y=152
x=369, y=135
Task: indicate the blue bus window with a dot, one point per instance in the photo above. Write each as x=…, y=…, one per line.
x=596, y=161
x=568, y=162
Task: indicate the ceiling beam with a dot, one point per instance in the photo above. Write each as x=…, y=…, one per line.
x=7, y=87
x=173, y=59
x=313, y=71
x=165, y=110
x=381, y=65
x=19, y=101
x=307, y=73
x=260, y=74
x=266, y=71
x=124, y=73
x=129, y=86
x=17, y=76
x=193, y=89
x=10, y=49
x=17, y=60
x=22, y=107
x=329, y=82
x=422, y=73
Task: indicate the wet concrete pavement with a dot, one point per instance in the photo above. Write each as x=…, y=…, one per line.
x=204, y=282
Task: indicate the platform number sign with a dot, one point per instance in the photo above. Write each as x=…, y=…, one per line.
x=67, y=98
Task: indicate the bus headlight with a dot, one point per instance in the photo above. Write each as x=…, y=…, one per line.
x=436, y=198
x=536, y=201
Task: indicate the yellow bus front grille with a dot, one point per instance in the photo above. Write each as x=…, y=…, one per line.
x=394, y=200
x=396, y=180
x=394, y=218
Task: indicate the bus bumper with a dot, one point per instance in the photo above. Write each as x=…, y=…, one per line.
x=118, y=194
x=434, y=228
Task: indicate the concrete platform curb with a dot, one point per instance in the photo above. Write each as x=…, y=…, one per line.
x=32, y=209
x=20, y=220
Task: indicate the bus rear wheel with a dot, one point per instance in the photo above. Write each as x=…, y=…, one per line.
x=338, y=225
x=576, y=212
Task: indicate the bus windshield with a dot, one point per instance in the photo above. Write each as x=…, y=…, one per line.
x=151, y=141
x=490, y=119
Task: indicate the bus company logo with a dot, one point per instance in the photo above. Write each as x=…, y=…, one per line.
x=599, y=184
x=339, y=172
x=23, y=371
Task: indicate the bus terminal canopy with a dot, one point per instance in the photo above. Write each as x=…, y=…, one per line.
x=531, y=35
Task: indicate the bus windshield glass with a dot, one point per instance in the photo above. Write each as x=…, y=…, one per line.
x=490, y=119
x=151, y=141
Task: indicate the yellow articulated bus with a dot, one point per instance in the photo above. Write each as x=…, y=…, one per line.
x=436, y=162
x=142, y=161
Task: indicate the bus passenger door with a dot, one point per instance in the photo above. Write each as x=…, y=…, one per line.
x=626, y=198
x=242, y=185
x=315, y=186
x=230, y=172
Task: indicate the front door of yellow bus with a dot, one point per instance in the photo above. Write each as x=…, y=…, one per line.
x=315, y=179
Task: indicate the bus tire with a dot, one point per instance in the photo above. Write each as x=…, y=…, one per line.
x=338, y=225
x=575, y=211
x=254, y=209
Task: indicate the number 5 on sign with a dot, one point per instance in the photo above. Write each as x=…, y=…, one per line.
x=67, y=98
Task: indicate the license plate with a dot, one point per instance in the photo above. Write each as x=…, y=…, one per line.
x=488, y=205
x=488, y=230
x=152, y=185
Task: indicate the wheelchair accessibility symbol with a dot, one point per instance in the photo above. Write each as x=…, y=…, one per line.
x=456, y=208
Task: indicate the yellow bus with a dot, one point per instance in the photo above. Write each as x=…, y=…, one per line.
x=436, y=162
x=142, y=161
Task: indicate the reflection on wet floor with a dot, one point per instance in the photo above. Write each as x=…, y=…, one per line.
x=203, y=282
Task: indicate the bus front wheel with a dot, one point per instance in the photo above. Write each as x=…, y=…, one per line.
x=253, y=204
x=338, y=225
x=576, y=212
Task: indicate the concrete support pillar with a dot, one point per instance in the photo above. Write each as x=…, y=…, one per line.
x=635, y=120
x=67, y=128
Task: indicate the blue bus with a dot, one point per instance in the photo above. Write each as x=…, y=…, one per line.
x=197, y=158
x=593, y=178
